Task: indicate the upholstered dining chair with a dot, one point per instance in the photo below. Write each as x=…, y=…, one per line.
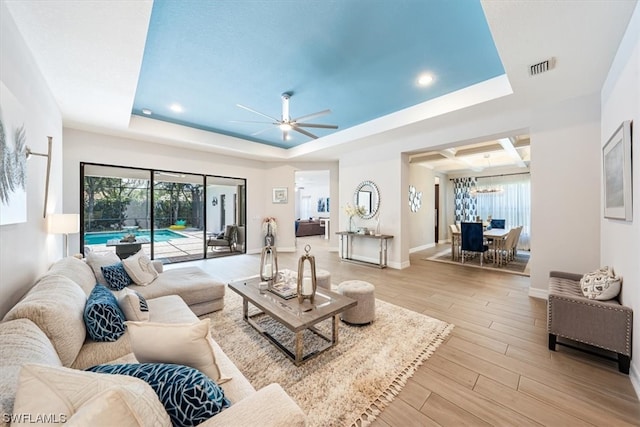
x=497, y=223
x=472, y=239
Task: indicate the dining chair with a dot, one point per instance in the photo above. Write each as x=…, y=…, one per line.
x=455, y=241
x=508, y=247
x=471, y=236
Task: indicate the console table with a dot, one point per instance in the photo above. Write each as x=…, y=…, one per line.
x=345, y=247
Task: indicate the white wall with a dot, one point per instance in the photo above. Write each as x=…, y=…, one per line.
x=620, y=240
x=422, y=222
x=26, y=250
x=565, y=165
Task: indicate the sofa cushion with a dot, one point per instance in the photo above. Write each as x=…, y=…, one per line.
x=22, y=342
x=76, y=270
x=133, y=305
x=140, y=268
x=102, y=315
x=96, y=260
x=55, y=304
x=192, y=284
x=188, y=396
x=116, y=276
x=63, y=392
x=109, y=408
x=190, y=344
x=601, y=284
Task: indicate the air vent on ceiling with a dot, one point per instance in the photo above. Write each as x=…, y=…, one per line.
x=542, y=67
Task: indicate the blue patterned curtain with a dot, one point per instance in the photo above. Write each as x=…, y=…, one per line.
x=465, y=204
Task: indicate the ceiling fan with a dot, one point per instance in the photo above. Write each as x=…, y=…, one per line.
x=287, y=124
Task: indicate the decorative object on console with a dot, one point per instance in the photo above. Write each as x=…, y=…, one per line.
x=415, y=199
x=617, y=163
x=269, y=264
x=307, y=282
x=351, y=211
x=64, y=224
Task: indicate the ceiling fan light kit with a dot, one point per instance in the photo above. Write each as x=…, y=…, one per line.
x=286, y=123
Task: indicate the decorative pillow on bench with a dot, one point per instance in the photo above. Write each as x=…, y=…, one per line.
x=188, y=396
x=601, y=284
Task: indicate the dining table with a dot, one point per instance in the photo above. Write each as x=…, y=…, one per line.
x=496, y=236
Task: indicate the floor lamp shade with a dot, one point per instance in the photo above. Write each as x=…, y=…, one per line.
x=64, y=224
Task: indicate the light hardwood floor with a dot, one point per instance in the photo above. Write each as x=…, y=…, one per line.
x=494, y=368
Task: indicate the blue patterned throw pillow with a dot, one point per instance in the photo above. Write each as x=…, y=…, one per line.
x=103, y=317
x=116, y=276
x=188, y=395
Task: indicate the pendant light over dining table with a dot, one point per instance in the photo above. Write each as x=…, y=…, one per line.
x=490, y=189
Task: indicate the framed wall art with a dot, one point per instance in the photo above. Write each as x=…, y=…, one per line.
x=280, y=195
x=616, y=156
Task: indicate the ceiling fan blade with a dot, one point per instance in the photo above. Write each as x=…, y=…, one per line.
x=314, y=125
x=304, y=132
x=251, y=121
x=258, y=112
x=308, y=116
x=261, y=131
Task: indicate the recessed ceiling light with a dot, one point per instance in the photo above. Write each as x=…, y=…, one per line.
x=425, y=79
x=176, y=108
x=147, y=112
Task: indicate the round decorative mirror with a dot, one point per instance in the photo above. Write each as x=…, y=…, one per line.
x=367, y=197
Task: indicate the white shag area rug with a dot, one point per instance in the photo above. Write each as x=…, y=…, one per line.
x=346, y=385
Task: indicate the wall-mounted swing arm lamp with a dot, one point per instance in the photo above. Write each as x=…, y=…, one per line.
x=30, y=153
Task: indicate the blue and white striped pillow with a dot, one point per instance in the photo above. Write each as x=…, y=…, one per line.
x=188, y=395
x=103, y=317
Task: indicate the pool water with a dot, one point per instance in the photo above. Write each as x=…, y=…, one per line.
x=101, y=238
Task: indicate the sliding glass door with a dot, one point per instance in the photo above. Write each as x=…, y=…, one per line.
x=172, y=216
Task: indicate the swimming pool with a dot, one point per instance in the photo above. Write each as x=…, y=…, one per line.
x=101, y=238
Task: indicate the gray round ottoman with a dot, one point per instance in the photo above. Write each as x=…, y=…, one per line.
x=363, y=292
x=323, y=278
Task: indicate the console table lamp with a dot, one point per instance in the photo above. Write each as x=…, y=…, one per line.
x=64, y=224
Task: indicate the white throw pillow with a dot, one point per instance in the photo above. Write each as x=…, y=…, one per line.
x=133, y=305
x=180, y=343
x=601, y=284
x=96, y=260
x=107, y=409
x=62, y=391
x=140, y=268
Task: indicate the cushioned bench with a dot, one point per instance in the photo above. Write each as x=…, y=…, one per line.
x=603, y=324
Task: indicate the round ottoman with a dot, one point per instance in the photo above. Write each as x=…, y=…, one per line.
x=323, y=278
x=361, y=291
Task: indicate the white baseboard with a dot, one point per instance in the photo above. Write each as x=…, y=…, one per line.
x=634, y=376
x=539, y=293
x=422, y=248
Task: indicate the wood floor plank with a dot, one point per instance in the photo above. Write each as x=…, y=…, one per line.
x=446, y=413
x=486, y=409
x=499, y=340
x=526, y=405
x=582, y=404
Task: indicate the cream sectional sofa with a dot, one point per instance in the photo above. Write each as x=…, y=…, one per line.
x=47, y=328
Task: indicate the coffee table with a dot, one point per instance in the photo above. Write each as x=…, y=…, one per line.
x=293, y=315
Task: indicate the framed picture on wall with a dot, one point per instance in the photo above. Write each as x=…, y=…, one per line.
x=280, y=195
x=616, y=157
